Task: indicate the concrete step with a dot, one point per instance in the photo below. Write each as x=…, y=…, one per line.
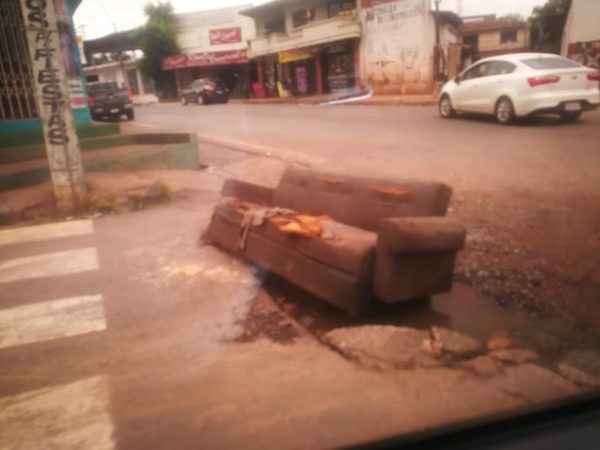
x=127, y=152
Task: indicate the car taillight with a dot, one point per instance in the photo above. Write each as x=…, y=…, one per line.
x=91, y=101
x=594, y=76
x=208, y=87
x=129, y=94
x=538, y=81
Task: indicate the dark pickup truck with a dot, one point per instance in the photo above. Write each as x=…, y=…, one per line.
x=107, y=99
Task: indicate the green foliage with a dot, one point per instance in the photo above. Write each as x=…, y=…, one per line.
x=103, y=205
x=547, y=22
x=160, y=11
x=550, y=8
x=157, y=38
x=166, y=191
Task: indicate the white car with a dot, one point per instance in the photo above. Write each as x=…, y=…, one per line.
x=522, y=84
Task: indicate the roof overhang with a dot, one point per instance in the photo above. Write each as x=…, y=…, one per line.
x=115, y=42
x=272, y=6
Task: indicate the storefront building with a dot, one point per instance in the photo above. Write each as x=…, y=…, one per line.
x=305, y=47
x=17, y=88
x=213, y=45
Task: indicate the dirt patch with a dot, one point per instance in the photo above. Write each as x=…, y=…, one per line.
x=265, y=320
x=545, y=260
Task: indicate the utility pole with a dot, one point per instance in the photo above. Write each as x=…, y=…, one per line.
x=54, y=105
x=436, y=51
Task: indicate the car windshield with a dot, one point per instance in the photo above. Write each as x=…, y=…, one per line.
x=296, y=224
x=550, y=63
x=96, y=88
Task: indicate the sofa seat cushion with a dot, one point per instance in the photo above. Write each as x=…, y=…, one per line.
x=350, y=250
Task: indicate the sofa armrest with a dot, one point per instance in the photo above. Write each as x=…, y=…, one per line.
x=420, y=235
x=248, y=192
x=415, y=257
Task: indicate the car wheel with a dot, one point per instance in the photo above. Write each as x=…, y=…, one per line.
x=571, y=116
x=184, y=101
x=130, y=114
x=205, y=100
x=445, y=107
x=505, y=111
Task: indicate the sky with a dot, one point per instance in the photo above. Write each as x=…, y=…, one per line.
x=96, y=18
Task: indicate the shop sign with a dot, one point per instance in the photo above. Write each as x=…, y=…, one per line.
x=225, y=36
x=217, y=58
x=182, y=61
x=295, y=55
x=174, y=62
x=336, y=48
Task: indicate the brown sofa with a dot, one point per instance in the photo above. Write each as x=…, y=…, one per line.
x=392, y=241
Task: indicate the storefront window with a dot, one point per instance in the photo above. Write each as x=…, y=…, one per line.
x=271, y=77
x=340, y=8
x=275, y=26
x=340, y=67
x=302, y=17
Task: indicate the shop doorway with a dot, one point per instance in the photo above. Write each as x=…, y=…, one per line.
x=236, y=78
x=303, y=77
x=338, y=63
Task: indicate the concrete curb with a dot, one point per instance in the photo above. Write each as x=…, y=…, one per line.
x=367, y=102
x=260, y=150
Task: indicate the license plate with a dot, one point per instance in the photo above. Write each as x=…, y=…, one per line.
x=219, y=92
x=572, y=106
x=114, y=110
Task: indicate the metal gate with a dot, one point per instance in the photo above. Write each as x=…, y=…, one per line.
x=17, y=99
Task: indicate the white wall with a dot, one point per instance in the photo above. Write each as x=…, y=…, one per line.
x=581, y=35
x=193, y=29
x=397, y=47
x=583, y=24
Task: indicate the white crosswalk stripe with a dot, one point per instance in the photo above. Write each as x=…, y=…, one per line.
x=72, y=416
x=40, y=322
x=75, y=415
x=45, y=232
x=49, y=265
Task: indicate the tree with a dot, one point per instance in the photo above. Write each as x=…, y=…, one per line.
x=512, y=18
x=157, y=39
x=547, y=23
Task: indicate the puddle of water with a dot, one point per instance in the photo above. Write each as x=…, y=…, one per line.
x=464, y=310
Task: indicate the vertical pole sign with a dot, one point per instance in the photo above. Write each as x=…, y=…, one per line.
x=54, y=105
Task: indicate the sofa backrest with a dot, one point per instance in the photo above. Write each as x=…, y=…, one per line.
x=359, y=201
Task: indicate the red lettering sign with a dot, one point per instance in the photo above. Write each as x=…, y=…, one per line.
x=217, y=58
x=225, y=36
x=174, y=62
x=205, y=59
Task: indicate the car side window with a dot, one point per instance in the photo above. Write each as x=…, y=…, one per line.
x=478, y=71
x=501, y=68
x=470, y=74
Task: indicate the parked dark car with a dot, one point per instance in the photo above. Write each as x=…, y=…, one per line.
x=107, y=99
x=205, y=91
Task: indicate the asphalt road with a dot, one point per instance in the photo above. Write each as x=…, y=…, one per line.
x=471, y=153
